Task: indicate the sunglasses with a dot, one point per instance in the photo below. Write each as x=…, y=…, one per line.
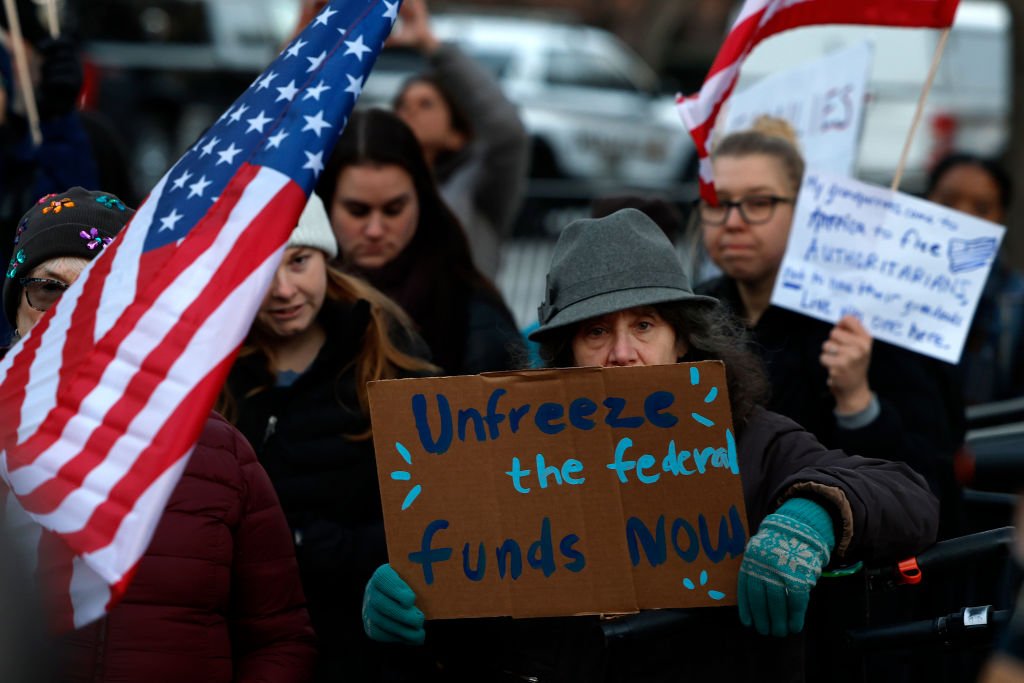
x=42, y=293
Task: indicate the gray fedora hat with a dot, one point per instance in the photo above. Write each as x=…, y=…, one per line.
x=603, y=265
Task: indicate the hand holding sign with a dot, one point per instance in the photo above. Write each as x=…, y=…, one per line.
x=846, y=354
x=557, y=492
x=390, y=614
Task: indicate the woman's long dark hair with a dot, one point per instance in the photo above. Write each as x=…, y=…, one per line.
x=710, y=332
x=439, y=251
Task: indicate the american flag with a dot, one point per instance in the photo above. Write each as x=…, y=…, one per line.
x=105, y=398
x=759, y=19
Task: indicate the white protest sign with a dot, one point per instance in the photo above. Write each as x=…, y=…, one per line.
x=912, y=271
x=823, y=100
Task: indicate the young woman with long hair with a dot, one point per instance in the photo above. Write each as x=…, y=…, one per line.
x=396, y=231
x=298, y=393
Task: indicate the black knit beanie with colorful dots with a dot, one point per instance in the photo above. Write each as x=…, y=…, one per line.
x=77, y=222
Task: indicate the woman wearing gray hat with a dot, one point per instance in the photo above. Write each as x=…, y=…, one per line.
x=617, y=296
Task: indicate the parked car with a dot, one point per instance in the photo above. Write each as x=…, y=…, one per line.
x=593, y=107
x=165, y=69
x=968, y=107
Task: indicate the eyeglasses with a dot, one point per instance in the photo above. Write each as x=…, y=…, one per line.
x=753, y=210
x=42, y=293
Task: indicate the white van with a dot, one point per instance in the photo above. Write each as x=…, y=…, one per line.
x=967, y=109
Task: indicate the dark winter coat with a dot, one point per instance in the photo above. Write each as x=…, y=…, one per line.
x=882, y=511
x=922, y=413
x=484, y=182
x=312, y=438
x=217, y=595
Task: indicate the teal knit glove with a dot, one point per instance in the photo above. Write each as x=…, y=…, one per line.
x=390, y=614
x=782, y=563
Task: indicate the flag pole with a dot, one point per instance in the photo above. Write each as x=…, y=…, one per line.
x=901, y=167
x=24, y=77
x=52, y=18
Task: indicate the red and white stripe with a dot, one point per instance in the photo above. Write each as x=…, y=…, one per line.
x=108, y=405
x=759, y=19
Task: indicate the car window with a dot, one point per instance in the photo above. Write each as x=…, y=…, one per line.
x=568, y=67
x=495, y=62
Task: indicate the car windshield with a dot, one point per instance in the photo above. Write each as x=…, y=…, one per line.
x=494, y=61
x=570, y=67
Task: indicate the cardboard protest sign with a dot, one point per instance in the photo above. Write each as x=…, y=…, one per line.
x=823, y=100
x=912, y=271
x=559, y=492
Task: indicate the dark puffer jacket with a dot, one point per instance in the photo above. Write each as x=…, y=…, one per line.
x=217, y=595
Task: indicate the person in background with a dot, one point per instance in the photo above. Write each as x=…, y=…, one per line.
x=471, y=135
x=851, y=392
x=298, y=393
x=216, y=597
x=396, y=231
x=64, y=158
x=618, y=296
x=993, y=359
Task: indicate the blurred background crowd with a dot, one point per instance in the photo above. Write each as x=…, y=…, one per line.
x=505, y=121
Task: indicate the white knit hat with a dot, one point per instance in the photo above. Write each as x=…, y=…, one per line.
x=314, y=229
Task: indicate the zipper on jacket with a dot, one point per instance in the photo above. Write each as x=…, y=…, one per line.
x=271, y=428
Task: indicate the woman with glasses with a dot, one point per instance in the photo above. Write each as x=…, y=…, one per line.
x=861, y=396
x=217, y=595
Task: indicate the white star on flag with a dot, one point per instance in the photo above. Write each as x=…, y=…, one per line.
x=274, y=141
x=265, y=82
x=180, y=181
x=315, y=93
x=199, y=187
x=325, y=16
x=316, y=123
x=208, y=147
x=355, y=85
x=315, y=62
x=294, y=50
x=392, y=11
x=356, y=47
x=236, y=116
x=258, y=123
x=288, y=92
x=227, y=156
x=314, y=162
x=170, y=220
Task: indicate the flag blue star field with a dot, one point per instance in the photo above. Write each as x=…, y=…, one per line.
x=106, y=396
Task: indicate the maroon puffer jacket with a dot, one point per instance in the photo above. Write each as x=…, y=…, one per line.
x=217, y=596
